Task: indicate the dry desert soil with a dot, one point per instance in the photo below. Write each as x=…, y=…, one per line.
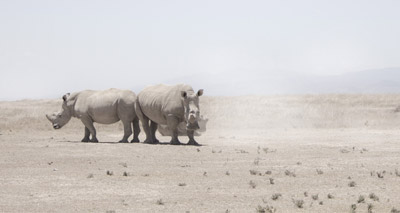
x=301, y=153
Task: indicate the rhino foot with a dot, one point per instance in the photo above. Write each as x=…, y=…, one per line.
x=123, y=141
x=85, y=140
x=175, y=143
x=94, y=140
x=193, y=143
x=135, y=140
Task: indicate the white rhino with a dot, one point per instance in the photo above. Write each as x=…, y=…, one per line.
x=104, y=107
x=169, y=105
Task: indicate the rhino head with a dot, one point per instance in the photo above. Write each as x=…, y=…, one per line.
x=192, y=109
x=59, y=119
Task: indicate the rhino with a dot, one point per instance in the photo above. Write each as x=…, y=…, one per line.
x=104, y=107
x=169, y=105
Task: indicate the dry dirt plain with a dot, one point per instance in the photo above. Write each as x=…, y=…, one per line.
x=304, y=153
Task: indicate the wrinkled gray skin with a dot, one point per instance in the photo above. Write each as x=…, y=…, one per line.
x=169, y=105
x=104, y=107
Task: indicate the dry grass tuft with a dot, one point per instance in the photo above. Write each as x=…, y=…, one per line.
x=252, y=184
x=352, y=184
x=373, y=197
x=290, y=173
x=361, y=199
x=276, y=196
x=265, y=209
x=298, y=203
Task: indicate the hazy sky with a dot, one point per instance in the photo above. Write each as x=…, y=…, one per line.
x=48, y=48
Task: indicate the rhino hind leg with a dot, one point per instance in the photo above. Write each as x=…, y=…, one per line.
x=87, y=135
x=192, y=141
x=136, y=130
x=127, y=131
x=153, y=127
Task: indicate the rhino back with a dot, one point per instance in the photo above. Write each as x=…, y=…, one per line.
x=158, y=101
x=102, y=106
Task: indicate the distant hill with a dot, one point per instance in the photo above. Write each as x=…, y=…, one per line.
x=227, y=84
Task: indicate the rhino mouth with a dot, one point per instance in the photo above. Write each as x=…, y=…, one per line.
x=56, y=126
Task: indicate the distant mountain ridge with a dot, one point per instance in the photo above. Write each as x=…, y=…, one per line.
x=227, y=84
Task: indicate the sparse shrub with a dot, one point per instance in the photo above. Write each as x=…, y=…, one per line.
x=124, y=165
x=290, y=174
x=256, y=161
x=397, y=173
x=146, y=175
x=182, y=184
x=298, y=203
x=305, y=194
x=227, y=173
x=110, y=173
x=373, y=197
x=266, y=209
x=205, y=174
x=160, y=202
x=379, y=174
x=276, y=196
x=370, y=207
x=320, y=172
x=255, y=172
x=125, y=174
x=394, y=210
x=266, y=150
x=271, y=181
x=330, y=196
x=353, y=208
x=321, y=203
x=252, y=184
x=110, y=211
x=268, y=172
x=352, y=184
x=298, y=163
x=314, y=197
x=361, y=199
x=90, y=175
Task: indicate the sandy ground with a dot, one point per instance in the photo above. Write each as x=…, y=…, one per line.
x=306, y=150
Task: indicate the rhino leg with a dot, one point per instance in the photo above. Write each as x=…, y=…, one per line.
x=87, y=121
x=127, y=131
x=87, y=134
x=136, y=130
x=146, y=128
x=172, y=123
x=190, y=134
x=153, y=127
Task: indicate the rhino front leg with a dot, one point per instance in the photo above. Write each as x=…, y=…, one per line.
x=172, y=123
x=190, y=134
x=87, y=134
x=87, y=121
x=136, y=130
x=127, y=131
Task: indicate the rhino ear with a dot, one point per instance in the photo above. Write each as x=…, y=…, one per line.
x=200, y=92
x=183, y=94
x=65, y=97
